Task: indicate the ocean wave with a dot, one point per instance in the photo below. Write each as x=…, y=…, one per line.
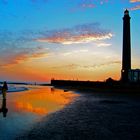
x=15, y=89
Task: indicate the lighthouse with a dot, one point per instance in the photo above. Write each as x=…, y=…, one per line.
x=126, y=54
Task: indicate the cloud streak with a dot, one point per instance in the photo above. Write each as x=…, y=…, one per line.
x=86, y=67
x=90, y=4
x=79, y=34
x=75, y=52
x=33, y=1
x=21, y=56
x=15, y=48
x=102, y=44
x=134, y=1
x=137, y=7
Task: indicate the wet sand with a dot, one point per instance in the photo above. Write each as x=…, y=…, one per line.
x=92, y=116
x=26, y=108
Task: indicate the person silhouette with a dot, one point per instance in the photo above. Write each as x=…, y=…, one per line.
x=4, y=89
x=3, y=108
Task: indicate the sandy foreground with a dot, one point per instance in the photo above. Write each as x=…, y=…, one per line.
x=92, y=117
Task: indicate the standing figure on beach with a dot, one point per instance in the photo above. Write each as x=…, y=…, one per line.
x=4, y=89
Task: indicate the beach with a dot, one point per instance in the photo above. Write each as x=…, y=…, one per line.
x=26, y=105
x=91, y=116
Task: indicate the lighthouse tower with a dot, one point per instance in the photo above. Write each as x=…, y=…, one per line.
x=126, y=55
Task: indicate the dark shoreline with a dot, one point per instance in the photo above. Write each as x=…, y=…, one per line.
x=91, y=86
x=133, y=91
x=91, y=116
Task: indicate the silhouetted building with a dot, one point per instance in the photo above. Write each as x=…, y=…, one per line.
x=134, y=75
x=126, y=56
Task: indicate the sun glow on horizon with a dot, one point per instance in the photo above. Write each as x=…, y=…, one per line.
x=76, y=43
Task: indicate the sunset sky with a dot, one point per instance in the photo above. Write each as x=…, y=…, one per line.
x=65, y=39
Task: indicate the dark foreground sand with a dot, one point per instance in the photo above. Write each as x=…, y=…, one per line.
x=92, y=117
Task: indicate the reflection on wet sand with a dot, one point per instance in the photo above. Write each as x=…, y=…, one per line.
x=3, y=108
x=41, y=100
x=28, y=107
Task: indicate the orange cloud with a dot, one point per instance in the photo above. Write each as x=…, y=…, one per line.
x=134, y=0
x=19, y=57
